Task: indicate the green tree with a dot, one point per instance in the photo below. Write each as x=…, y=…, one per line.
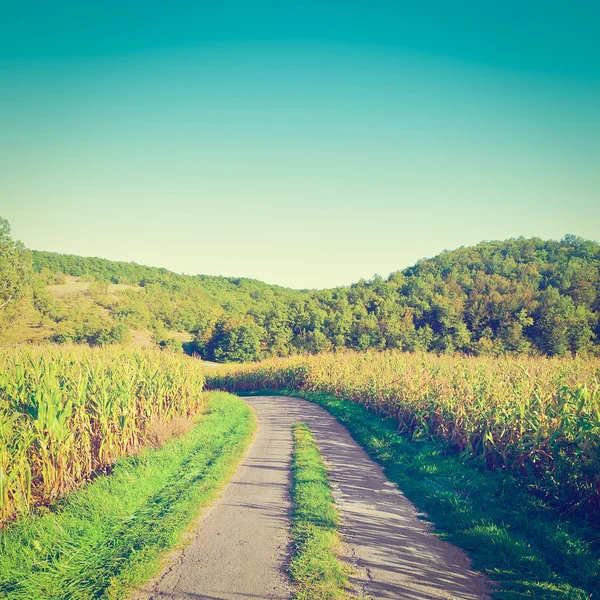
x=553, y=319
x=236, y=342
x=15, y=278
x=493, y=298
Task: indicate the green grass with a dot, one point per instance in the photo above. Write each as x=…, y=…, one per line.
x=528, y=549
x=314, y=568
x=108, y=537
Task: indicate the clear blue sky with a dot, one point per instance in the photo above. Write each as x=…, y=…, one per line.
x=302, y=143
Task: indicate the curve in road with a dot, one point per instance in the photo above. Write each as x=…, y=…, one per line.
x=242, y=545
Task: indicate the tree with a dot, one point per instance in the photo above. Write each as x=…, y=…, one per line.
x=236, y=342
x=15, y=278
x=554, y=315
x=515, y=296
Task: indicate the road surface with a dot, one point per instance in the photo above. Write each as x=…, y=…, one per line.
x=241, y=547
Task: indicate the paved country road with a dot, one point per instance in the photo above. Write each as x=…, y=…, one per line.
x=242, y=544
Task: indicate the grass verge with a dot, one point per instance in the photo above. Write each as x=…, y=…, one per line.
x=529, y=550
x=315, y=568
x=108, y=537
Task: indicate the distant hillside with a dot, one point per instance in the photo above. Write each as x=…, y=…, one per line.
x=523, y=295
x=516, y=296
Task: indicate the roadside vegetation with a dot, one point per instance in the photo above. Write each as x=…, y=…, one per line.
x=536, y=418
x=529, y=551
x=462, y=438
x=315, y=567
x=108, y=537
x=67, y=413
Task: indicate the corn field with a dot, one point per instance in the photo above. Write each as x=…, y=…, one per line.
x=68, y=413
x=538, y=417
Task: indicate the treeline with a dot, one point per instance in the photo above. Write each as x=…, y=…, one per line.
x=521, y=296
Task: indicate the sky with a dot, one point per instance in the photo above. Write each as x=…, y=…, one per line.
x=307, y=144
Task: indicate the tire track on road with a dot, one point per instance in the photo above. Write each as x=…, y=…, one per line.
x=241, y=549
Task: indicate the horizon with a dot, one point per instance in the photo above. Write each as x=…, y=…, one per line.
x=373, y=276
x=308, y=146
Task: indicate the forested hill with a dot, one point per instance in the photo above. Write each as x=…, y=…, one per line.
x=133, y=274
x=517, y=296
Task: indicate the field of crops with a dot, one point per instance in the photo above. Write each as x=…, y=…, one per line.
x=66, y=413
x=538, y=417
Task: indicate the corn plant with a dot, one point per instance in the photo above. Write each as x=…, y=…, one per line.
x=539, y=417
x=66, y=413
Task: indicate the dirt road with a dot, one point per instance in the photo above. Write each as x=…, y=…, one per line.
x=241, y=548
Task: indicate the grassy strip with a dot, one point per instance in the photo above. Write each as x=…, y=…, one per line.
x=314, y=568
x=512, y=537
x=109, y=536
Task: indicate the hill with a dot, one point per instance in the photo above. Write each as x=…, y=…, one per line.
x=520, y=296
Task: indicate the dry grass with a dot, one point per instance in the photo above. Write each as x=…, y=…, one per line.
x=76, y=285
x=141, y=338
x=161, y=430
x=28, y=333
x=181, y=336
